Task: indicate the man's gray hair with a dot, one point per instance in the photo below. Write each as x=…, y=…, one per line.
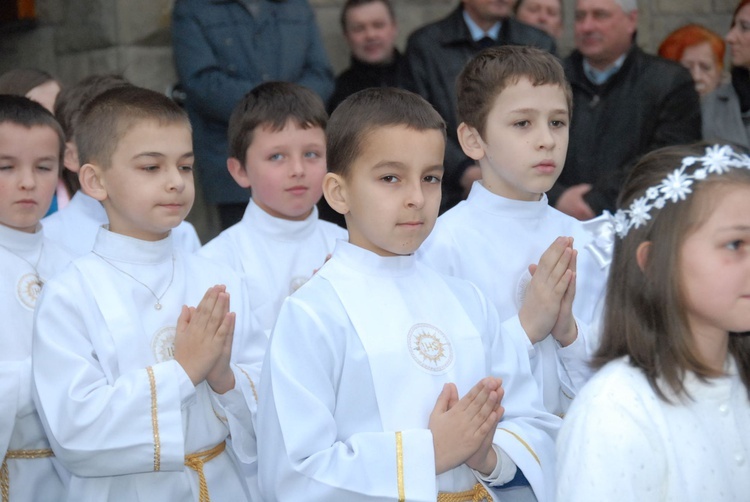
x=627, y=5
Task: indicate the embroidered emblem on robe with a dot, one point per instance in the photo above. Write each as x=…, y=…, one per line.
x=162, y=344
x=430, y=348
x=28, y=290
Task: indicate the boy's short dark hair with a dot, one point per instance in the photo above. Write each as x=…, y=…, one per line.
x=492, y=70
x=272, y=105
x=350, y=4
x=72, y=100
x=110, y=115
x=22, y=111
x=366, y=110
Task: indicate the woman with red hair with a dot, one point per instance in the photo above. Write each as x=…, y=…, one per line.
x=726, y=111
x=698, y=49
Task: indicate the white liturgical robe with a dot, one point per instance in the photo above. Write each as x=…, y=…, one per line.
x=116, y=405
x=76, y=226
x=491, y=241
x=275, y=256
x=23, y=256
x=620, y=442
x=356, y=362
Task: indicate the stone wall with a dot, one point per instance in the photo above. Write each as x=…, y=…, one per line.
x=75, y=38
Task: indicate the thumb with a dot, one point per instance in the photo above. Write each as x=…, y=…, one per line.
x=532, y=268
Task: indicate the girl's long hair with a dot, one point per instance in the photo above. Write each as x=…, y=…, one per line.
x=645, y=315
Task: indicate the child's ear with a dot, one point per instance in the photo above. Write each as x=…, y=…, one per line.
x=641, y=254
x=70, y=158
x=238, y=172
x=334, y=190
x=471, y=142
x=92, y=183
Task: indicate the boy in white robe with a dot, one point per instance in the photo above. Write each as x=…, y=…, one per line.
x=277, y=147
x=515, y=107
x=31, y=143
x=360, y=388
x=138, y=392
x=75, y=226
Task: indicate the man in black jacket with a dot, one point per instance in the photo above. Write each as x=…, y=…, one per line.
x=370, y=30
x=435, y=55
x=625, y=104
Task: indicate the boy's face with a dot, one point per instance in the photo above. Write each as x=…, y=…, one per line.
x=285, y=169
x=392, y=192
x=29, y=166
x=526, y=141
x=148, y=188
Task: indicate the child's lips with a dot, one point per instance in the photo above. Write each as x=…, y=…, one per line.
x=546, y=167
x=297, y=190
x=26, y=202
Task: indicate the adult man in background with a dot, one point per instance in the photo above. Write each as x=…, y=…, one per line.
x=224, y=48
x=625, y=104
x=435, y=55
x=370, y=30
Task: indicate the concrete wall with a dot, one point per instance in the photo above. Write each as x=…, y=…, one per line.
x=75, y=38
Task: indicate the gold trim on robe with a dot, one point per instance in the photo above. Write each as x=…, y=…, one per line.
x=520, y=439
x=400, y=467
x=154, y=419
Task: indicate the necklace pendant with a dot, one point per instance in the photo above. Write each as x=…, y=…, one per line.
x=157, y=306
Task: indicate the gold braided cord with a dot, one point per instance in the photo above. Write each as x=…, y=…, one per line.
x=18, y=455
x=154, y=419
x=477, y=494
x=400, y=467
x=195, y=461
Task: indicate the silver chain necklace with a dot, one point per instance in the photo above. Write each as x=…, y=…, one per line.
x=157, y=306
x=39, y=280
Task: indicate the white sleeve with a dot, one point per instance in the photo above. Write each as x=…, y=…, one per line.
x=99, y=425
x=9, y=400
x=527, y=431
x=304, y=450
x=238, y=406
x=574, y=369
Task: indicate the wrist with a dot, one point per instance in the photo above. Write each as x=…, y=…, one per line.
x=568, y=336
x=221, y=382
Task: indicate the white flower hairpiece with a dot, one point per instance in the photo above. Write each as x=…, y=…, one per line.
x=719, y=159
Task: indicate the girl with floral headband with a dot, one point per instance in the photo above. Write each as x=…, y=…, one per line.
x=667, y=416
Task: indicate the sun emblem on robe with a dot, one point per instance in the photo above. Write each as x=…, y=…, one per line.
x=430, y=348
x=28, y=290
x=162, y=344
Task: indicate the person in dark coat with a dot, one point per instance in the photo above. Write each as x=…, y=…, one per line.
x=435, y=55
x=223, y=49
x=370, y=30
x=625, y=104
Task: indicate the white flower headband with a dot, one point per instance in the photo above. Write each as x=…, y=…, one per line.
x=676, y=186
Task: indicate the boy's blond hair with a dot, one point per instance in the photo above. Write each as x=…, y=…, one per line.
x=492, y=70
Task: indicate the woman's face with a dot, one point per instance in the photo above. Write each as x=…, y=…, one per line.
x=738, y=38
x=704, y=68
